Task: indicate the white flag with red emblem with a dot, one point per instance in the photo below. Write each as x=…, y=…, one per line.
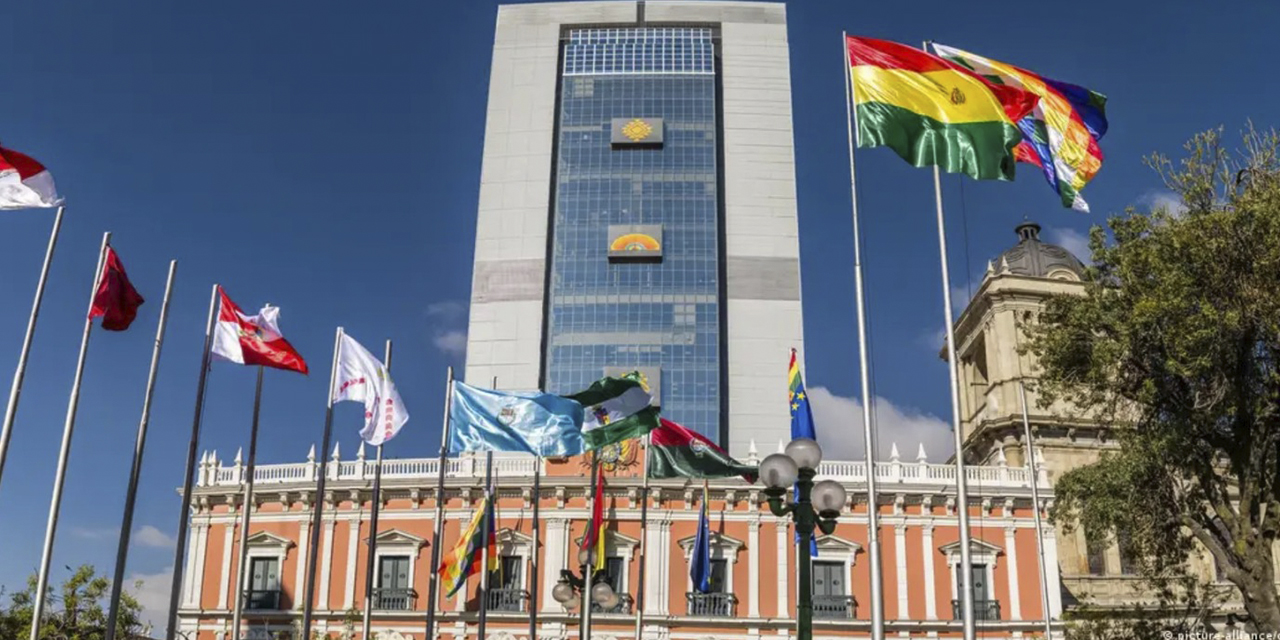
x=362, y=378
x=24, y=183
x=253, y=340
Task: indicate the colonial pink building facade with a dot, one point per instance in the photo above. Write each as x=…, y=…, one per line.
x=752, y=551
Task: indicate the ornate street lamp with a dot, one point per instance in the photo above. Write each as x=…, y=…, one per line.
x=571, y=588
x=817, y=505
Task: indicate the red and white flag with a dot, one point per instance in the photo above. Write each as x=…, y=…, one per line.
x=24, y=183
x=116, y=301
x=253, y=340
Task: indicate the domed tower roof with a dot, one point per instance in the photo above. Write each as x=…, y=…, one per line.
x=1037, y=259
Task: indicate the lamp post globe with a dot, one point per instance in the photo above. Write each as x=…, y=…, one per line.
x=601, y=592
x=828, y=498
x=778, y=471
x=806, y=453
x=610, y=602
x=563, y=593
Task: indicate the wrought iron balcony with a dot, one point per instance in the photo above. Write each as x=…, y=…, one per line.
x=508, y=599
x=982, y=610
x=395, y=599
x=718, y=605
x=262, y=600
x=834, y=607
x=624, y=605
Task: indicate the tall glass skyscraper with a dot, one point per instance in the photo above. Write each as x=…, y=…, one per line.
x=637, y=209
x=661, y=313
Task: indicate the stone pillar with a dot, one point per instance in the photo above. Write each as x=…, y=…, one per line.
x=1011, y=566
x=224, y=582
x=553, y=560
x=304, y=539
x=353, y=541
x=930, y=586
x=753, y=568
x=326, y=563
x=784, y=543
x=900, y=553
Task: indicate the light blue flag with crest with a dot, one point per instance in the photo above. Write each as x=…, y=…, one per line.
x=542, y=424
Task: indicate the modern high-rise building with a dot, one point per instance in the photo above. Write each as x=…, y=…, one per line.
x=638, y=210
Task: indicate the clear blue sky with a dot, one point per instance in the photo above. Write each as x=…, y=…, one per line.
x=325, y=158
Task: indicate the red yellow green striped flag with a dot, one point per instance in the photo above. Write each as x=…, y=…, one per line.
x=933, y=112
x=594, y=537
x=464, y=559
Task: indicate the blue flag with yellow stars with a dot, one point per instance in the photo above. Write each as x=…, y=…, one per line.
x=801, y=422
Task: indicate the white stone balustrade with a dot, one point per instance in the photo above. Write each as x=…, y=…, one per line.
x=213, y=473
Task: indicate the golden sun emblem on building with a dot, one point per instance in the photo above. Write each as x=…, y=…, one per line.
x=637, y=130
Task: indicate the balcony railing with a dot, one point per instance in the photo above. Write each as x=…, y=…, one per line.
x=262, y=600
x=395, y=599
x=716, y=605
x=982, y=610
x=216, y=472
x=834, y=607
x=624, y=605
x=508, y=599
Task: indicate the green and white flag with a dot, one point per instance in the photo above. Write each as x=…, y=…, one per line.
x=616, y=409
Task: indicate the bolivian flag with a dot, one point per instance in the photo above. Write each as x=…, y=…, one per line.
x=464, y=559
x=933, y=112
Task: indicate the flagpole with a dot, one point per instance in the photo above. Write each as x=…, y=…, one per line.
x=60, y=476
x=589, y=564
x=373, y=521
x=962, y=489
x=131, y=493
x=484, y=549
x=868, y=433
x=644, y=529
x=313, y=550
x=11, y=410
x=184, y=516
x=246, y=509
x=434, y=581
x=1035, y=509
x=534, y=564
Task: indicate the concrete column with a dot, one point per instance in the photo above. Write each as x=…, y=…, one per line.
x=930, y=586
x=1011, y=565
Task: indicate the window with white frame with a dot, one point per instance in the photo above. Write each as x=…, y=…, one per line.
x=261, y=589
x=396, y=555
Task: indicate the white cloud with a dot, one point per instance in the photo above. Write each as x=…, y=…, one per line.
x=91, y=533
x=839, y=422
x=452, y=342
x=1071, y=240
x=1158, y=199
x=149, y=536
x=446, y=310
x=152, y=592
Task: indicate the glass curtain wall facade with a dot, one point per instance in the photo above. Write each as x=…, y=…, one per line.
x=661, y=315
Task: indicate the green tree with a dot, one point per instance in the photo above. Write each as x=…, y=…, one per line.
x=1177, y=343
x=77, y=610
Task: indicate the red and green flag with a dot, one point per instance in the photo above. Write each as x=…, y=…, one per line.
x=934, y=112
x=464, y=559
x=677, y=452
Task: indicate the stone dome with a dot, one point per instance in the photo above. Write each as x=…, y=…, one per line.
x=1032, y=257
